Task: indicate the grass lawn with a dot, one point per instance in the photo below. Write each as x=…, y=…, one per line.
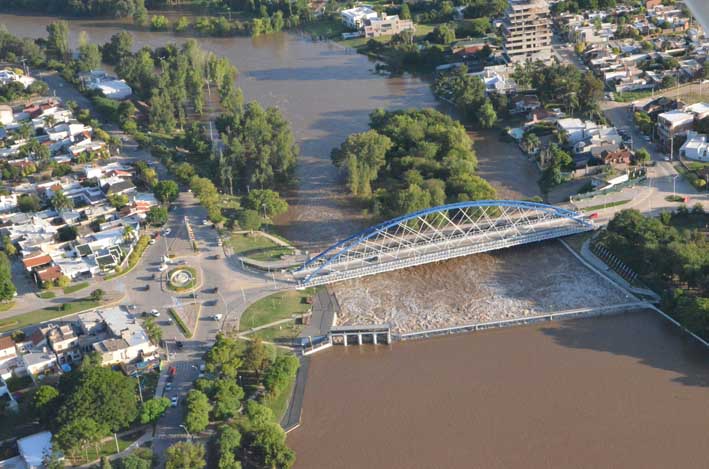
x=47, y=295
x=180, y=323
x=629, y=96
x=257, y=247
x=328, y=28
x=279, y=403
x=602, y=206
x=46, y=314
x=576, y=241
x=281, y=331
x=7, y=306
x=76, y=287
x=107, y=448
x=275, y=307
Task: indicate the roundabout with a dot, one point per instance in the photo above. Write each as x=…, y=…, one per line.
x=182, y=279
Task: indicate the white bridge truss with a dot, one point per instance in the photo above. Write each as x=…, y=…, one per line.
x=437, y=234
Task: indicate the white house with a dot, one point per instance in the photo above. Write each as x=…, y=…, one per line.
x=696, y=147
x=129, y=341
x=356, y=17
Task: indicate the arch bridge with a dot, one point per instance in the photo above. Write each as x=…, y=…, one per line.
x=437, y=234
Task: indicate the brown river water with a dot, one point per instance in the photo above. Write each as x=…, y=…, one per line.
x=324, y=90
x=626, y=391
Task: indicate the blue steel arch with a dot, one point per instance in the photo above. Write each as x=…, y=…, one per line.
x=356, y=239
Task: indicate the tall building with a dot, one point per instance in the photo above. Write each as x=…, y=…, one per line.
x=526, y=29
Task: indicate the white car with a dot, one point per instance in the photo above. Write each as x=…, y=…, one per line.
x=152, y=241
x=205, y=222
x=168, y=386
x=155, y=313
x=167, y=231
x=174, y=401
x=162, y=268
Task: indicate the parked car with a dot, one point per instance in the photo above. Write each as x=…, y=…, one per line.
x=179, y=344
x=174, y=401
x=168, y=386
x=152, y=241
x=205, y=222
x=217, y=317
x=155, y=313
x=162, y=268
x=167, y=231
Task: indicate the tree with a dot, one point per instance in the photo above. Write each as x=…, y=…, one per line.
x=128, y=233
x=443, y=34
x=198, y=409
x=98, y=393
x=265, y=200
x=257, y=355
x=79, y=434
x=185, y=455
x=153, y=409
x=8, y=246
x=225, y=358
x=7, y=288
x=249, y=220
x=118, y=201
x=258, y=414
x=153, y=330
x=118, y=47
x=97, y=294
x=228, y=396
x=642, y=156
x=270, y=444
x=140, y=16
x=279, y=374
x=141, y=458
x=28, y=203
x=89, y=54
x=157, y=216
x=405, y=12
x=105, y=463
x=668, y=81
x=60, y=201
x=361, y=156
x=531, y=142
x=166, y=191
x=45, y=403
x=486, y=115
x=67, y=233
x=184, y=172
x=229, y=440
x=58, y=40
x=62, y=281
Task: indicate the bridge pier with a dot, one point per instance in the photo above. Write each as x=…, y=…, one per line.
x=346, y=335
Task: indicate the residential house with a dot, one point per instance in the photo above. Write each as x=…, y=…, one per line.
x=525, y=103
x=673, y=123
x=34, y=449
x=35, y=362
x=355, y=18
x=128, y=342
x=620, y=156
x=110, y=86
x=63, y=343
x=696, y=147
x=387, y=26
x=6, y=115
x=8, y=351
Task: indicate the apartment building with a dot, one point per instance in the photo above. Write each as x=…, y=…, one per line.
x=527, y=32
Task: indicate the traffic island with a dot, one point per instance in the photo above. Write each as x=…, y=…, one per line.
x=182, y=279
x=186, y=317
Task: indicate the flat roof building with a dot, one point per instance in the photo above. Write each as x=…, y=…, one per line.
x=526, y=30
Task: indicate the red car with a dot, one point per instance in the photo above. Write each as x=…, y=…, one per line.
x=172, y=371
x=593, y=216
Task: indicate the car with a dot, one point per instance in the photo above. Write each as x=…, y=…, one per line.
x=667, y=158
x=162, y=268
x=152, y=241
x=179, y=344
x=167, y=231
x=168, y=386
x=155, y=313
x=173, y=401
x=205, y=222
x=217, y=317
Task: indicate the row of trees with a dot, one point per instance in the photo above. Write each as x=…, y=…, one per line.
x=670, y=256
x=7, y=288
x=411, y=160
x=249, y=427
x=96, y=8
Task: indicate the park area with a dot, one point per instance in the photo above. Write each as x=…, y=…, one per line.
x=281, y=308
x=258, y=247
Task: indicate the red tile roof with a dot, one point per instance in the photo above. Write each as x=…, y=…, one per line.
x=36, y=261
x=6, y=343
x=50, y=273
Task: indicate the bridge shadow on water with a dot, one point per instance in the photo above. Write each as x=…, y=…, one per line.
x=642, y=335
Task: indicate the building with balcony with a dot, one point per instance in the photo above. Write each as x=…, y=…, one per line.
x=526, y=31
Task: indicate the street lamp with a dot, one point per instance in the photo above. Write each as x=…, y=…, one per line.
x=674, y=183
x=186, y=431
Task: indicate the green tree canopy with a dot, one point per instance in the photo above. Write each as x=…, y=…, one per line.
x=265, y=200
x=198, y=409
x=185, y=455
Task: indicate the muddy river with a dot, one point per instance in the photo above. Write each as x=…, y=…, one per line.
x=625, y=391
x=324, y=90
